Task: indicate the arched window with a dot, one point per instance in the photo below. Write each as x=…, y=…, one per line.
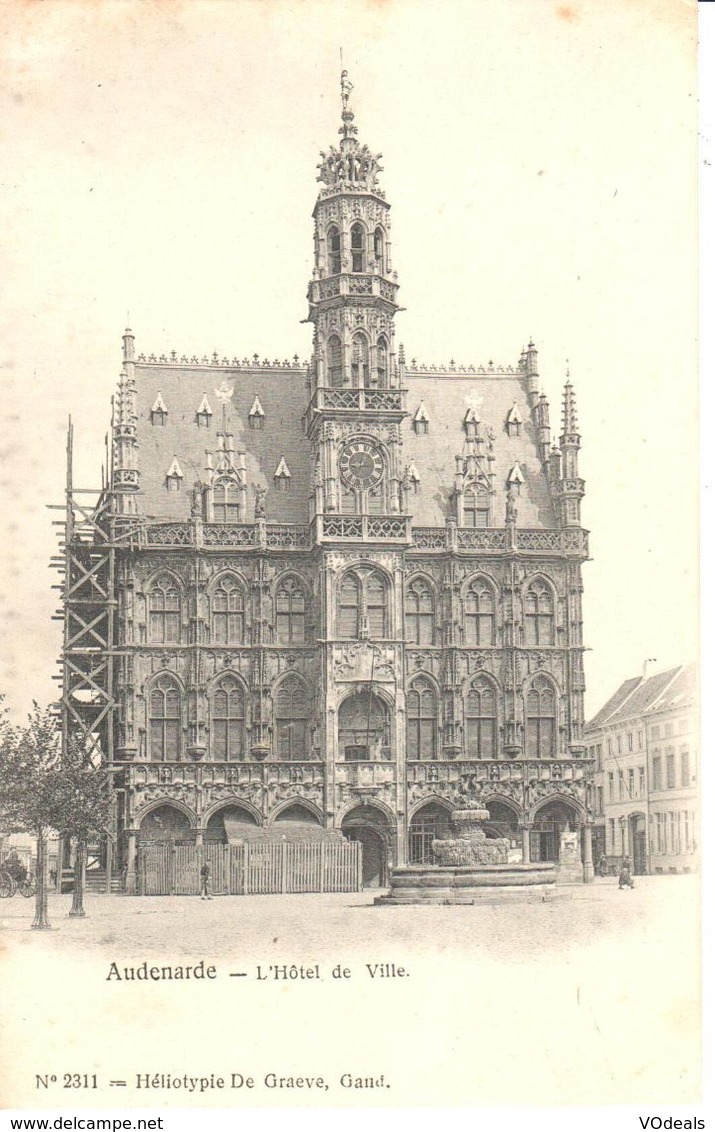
x=379, y=247
x=541, y=720
x=291, y=714
x=480, y=719
x=226, y=501
x=357, y=247
x=165, y=721
x=335, y=362
x=362, y=601
x=382, y=363
x=359, y=368
x=363, y=728
x=479, y=619
x=419, y=613
x=228, y=720
x=228, y=612
x=539, y=614
x=475, y=506
x=349, y=501
x=349, y=607
x=421, y=720
x=290, y=613
x=333, y=251
x=376, y=606
x=164, y=611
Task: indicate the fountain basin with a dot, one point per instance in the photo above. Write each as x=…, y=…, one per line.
x=471, y=884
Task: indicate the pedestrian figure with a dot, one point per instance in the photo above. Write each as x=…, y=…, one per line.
x=625, y=880
x=205, y=875
x=602, y=866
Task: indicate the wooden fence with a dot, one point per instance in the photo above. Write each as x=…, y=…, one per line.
x=253, y=868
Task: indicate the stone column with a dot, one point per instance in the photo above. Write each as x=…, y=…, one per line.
x=587, y=855
x=131, y=881
x=525, y=844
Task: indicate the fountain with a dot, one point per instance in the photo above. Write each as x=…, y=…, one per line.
x=471, y=868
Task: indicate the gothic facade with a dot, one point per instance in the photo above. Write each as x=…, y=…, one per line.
x=348, y=593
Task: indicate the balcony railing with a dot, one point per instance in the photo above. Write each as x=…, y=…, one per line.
x=484, y=771
x=237, y=774
x=366, y=400
x=363, y=528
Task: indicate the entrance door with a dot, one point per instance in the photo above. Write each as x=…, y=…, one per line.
x=374, y=855
x=638, y=844
x=544, y=843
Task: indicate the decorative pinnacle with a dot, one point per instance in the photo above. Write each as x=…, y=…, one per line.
x=351, y=163
x=569, y=409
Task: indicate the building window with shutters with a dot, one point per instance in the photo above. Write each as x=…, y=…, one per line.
x=335, y=362
x=165, y=720
x=291, y=715
x=419, y=613
x=479, y=615
x=539, y=614
x=357, y=247
x=334, y=264
x=480, y=720
x=541, y=720
x=657, y=773
x=228, y=720
x=290, y=613
x=359, y=367
x=684, y=767
x=611, y=789
x=421, y=720
x=164, y=611
x=641, y=781
x=228, y=611
x=670, y=769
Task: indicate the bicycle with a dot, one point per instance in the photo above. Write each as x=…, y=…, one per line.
x=9, y=886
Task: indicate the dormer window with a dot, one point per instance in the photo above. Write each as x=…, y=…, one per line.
x=281, y=476
x=204, y=413
x=174, y=476
x=256, y=416
x=159, y=411
x=357, y=247
x=333, y=251
x=515, y=478
x=420, y=420
x=513, y=422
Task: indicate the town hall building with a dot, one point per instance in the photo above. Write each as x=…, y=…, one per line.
x=337, y=600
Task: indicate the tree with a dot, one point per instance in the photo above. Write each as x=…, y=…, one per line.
x=42, y=788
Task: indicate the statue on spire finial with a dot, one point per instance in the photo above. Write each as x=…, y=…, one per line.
x=345, y=88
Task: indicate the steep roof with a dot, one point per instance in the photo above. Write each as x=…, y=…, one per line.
x=634, y=698
x=281, y=390
x=680, y=694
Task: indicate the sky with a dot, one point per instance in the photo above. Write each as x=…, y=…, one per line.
x=159, y=167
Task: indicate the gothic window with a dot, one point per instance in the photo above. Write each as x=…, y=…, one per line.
x=335, y=362
x=475, y=506
x=363, y=728
x=379, y=247
x=165, y=721
x=539, y=614
x=333, y=251
x=228, y=610
x=362, y=597
x=479, y=615
x=357, y=247
x=228, y=720
x=375, y=502
x=349, y=607
x=292, y=720
x=419, y=613
x=290, y=613
x=541, y=720
x=421, y=720
x=349, y=501
x=359, y=368
x=376, y=606
x=382, y=363
x=480, y=719
x=226, y=501
x=164, y=611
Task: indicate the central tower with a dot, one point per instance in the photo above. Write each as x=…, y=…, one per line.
x=356, y=399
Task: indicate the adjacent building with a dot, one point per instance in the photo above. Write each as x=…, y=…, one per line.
x=644, y=744
x=343, y=594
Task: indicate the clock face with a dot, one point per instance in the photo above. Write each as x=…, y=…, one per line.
x=361, y=464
